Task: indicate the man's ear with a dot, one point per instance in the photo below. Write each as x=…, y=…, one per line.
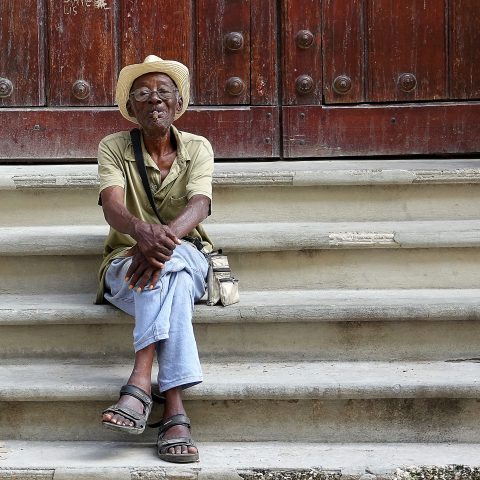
x=129, y=109
x=179, y=106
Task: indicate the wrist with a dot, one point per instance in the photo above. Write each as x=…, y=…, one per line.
x=136, y=228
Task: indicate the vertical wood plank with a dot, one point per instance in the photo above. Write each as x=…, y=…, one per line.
x=465, y=51
x=223, y=52
x=22, y=72
x=302, y=79
x=159, y=27
x=264, y=52
x=82, y=53
x=343, y=51
x=406, y=38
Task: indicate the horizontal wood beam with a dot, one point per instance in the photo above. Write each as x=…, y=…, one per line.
x=70, y=134
x=381, y=130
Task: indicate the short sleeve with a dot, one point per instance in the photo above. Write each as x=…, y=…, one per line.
x=201, y=173
x=110, y=166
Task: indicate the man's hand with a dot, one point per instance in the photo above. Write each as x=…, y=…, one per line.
x=141, y=273
x=155, y=242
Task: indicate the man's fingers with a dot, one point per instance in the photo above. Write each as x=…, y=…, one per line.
x=133, y=267
x=167, y=243
x=143, y=280
x=172, y=237
x=155, y=277
x=157, y=264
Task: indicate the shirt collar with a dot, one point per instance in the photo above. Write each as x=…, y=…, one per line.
x=180, y=161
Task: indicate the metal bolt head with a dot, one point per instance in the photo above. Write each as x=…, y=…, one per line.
x=235, y=86
x=407, y=82
x=304, y=39
x=342, y=84
x=6, y=87
x=81, y=89
x=234, y=41
x=304, y=84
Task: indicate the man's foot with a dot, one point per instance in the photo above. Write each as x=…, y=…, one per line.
x=174, y=440
x=128, y=402
x=136, y=403
x=179, y=431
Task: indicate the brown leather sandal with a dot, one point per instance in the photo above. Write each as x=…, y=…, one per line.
x=164, y=444
x=139, y=419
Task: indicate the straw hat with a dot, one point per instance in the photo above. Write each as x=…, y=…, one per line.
x=175, y=70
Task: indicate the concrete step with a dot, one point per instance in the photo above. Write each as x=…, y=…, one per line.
x=258, y=401
x=429, y=254
x=259, y=237
x=313, y=269
x=25, y=460
x=261, y=191
x=342, y=325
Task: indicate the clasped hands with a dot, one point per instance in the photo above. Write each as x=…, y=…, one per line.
x=155, y=246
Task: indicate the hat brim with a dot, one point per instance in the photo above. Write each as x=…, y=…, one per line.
x=175, y=70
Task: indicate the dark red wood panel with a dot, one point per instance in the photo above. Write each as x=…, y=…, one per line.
x=264, y=85
x=343, y=51
x=72, y=134
x=22, y=56
x=163, y=28
x=302, y=69
x=82, y=55
x=465, y=48
x=223, y=52
x=411, y=129
x=406, y=50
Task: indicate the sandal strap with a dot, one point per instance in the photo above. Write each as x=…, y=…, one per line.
x=164, y=445
x=128, y=413
x=172, y=421
x=137, y=393
x=158, y=398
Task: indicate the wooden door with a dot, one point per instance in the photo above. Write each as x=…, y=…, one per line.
x=270, y=78
x=57, y=80
x=393, y=79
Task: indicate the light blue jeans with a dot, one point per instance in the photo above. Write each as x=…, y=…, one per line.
x=163, y=315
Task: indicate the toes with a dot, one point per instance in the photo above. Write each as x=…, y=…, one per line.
x=182, y=450
x=118, y=420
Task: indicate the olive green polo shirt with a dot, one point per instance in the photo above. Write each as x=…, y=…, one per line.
x=190, y=174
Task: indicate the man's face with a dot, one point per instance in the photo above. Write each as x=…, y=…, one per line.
x=157, y=110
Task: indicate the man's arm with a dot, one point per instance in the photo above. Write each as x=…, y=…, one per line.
x=141, y=274
x=155, y=242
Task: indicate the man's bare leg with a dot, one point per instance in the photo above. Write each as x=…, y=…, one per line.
x=174, y=406
x=141, y=377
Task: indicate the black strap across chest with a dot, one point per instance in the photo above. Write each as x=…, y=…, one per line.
x=137, y=150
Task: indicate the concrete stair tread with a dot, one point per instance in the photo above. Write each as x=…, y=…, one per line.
x=225, y=461
x=292, y=173
x=248, y=237
x=263, y=306
x=80, y=380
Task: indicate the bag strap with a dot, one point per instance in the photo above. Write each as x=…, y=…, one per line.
x=137, y=150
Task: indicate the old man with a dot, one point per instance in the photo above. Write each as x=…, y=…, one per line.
x=152, y=270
